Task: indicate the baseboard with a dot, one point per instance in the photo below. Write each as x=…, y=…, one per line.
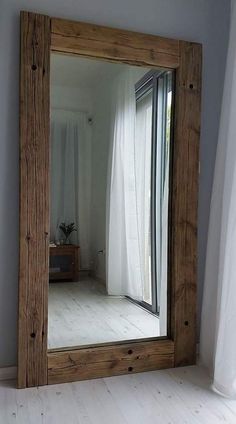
x=8, y=373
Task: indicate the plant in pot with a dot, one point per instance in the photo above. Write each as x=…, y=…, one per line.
x=67, y=230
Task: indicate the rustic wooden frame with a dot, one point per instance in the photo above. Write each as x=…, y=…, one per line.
x=39, y=36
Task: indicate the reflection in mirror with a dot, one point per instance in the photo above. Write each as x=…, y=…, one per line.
x=110, y=155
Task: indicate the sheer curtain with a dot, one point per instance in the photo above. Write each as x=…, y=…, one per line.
x=142, y=163
x=129, y=196
x=162, y=196
x=218, y=342
x=124, y=273
x=162, y=292
x=70, y=177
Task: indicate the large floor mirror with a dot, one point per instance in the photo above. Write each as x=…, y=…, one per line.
x=109, y=140
x=111, y=127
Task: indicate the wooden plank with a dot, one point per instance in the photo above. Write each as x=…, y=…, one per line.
x=34, y=199
x=185, y=202
x=95, y=362
x=114, y=44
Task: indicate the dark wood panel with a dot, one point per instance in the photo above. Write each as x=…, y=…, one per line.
x=114, y=44
x=185, y=203
x=69, y=251
x=34, y=199
x=95, y=362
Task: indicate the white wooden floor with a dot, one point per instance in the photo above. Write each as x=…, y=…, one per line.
x=81, y=314
x=178, y=396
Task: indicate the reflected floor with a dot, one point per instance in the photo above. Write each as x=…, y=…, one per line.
x=81, y=313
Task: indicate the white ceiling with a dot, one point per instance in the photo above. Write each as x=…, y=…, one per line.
x=73, y=70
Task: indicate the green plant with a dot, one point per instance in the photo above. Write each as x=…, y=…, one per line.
x=67, y=229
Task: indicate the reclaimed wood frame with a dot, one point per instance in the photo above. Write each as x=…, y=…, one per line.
x=39, y=36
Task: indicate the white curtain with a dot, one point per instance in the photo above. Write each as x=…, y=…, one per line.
x=129, y=197
x=218, y=341
x=71, y=178
x=124, y=273
x=162, y=238
x=142, y=163
x=162, y=199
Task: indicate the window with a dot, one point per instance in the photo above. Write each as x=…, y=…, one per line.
x=152, y=147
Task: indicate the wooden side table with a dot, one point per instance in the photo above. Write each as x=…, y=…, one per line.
x=64, y=262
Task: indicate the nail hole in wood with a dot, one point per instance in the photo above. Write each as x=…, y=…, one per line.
x=130, y=351
x=32, y=335
x=33, y=67
x=191, y=86
x=186, y=323
x=130, y=369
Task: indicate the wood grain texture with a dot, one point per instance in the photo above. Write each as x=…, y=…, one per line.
x=34, y=199
x=185, y=203
x=119, y=46
x=114, y=44
x=83, y=364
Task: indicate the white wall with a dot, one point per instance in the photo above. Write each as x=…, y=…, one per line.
x=72, y=98
x=78, y=99
x=205, y=21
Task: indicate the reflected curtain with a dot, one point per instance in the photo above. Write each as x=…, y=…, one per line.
x=142, y=163
x=162, y=195
x=129, y=194
x=124, y=273
x=71, y=178
x=163, y=287
x=218, y=342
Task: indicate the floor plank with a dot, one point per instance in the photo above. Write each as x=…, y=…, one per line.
x=81, y=313
x=177, y=396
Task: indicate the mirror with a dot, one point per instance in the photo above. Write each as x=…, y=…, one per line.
x=111, y=130
x=123, y=201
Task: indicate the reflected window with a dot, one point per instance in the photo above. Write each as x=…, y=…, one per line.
x=152, y=156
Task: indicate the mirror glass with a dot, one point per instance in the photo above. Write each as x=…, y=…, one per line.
x=109, y=201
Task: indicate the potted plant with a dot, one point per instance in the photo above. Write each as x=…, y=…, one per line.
x=67, y=230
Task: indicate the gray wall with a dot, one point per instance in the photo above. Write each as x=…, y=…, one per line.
x=205, y=21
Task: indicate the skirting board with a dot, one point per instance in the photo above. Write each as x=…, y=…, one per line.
x=8, y=373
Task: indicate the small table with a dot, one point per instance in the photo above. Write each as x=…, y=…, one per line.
x=64, y=262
